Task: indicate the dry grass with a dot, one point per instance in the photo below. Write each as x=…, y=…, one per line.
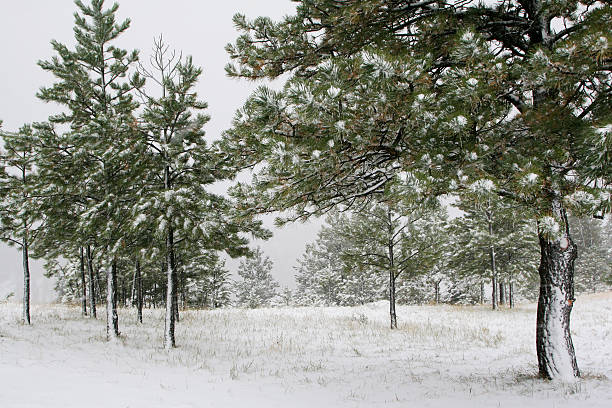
x=438, y=352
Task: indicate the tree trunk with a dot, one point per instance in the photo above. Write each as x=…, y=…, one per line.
x=482, y=292
x=436, y=292
x=83, y=283
x=26, y=280
x=494, y=292
x=92, y=284
x=175, y=286
x=511, y=294
x=502, y=293
x=169, y=341
x=139, y=291
x=392, y=275
x=112, y=319
x=492, y=256
x=392, y=299
x=556, y=356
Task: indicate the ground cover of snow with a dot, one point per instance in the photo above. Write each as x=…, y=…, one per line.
x=441, y=356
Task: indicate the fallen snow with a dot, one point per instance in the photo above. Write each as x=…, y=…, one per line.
x=441, y=356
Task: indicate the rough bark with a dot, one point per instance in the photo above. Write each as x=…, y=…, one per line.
x=502, y=293
x=92, y=284
x=555, y=349
x=112, y=319
x=83, y=283
x=26, y=280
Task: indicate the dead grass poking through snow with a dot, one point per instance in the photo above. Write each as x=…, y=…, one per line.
x=440, y=354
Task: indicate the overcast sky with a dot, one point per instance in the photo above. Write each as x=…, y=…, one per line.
x=195, y=27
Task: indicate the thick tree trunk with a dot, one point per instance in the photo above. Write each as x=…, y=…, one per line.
x=112, y=319
x=139, y=291
x=92, y=284
x=502, y=293
x=556, y=356
x=83, y=283
x=169, y=341
x=26, y=280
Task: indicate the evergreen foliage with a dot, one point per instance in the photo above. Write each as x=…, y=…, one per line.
x=20, y=220
x=513, y=93
x=257, y=287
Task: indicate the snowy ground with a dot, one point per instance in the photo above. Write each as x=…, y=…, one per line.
x=441, y=356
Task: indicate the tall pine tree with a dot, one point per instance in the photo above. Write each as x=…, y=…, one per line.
x=94, y=164
x=516, y=92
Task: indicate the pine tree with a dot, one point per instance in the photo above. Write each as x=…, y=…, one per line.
x=515, y=92
x=257, y=288
x=174, y=200
x=396, y=236
x=594, y=263
x=322, y=271
x=91, y=169
x=208, y=280
x=493, y=240
x=19, y=218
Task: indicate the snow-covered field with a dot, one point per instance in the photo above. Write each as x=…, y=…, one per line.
x=441, y=356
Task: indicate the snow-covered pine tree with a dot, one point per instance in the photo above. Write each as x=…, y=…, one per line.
x=594, y=263
x=321, y=270
x=175, y=201
x=398, y=236
x=19, y=217
x=514, y=91
x=208, y=281
x=257, y=287
x=95, y=164
x=493, y=241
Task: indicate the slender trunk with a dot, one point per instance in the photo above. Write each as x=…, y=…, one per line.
x=492, y=256
x=26, y=279
x=133, y=291
x=392, y=275
x=175, y=286
x=169, y=341
x=511, y=294
x=112, y=319
x=555, y=349
x=92, y=283
x=392, y=299
x=83, y=283
x=98, y=286
x=139, y=291
x=436, y=292
x=502, y=293
x=494, y=292
x=482, y=292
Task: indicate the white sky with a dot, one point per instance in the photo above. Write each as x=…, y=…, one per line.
x=195, y=27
